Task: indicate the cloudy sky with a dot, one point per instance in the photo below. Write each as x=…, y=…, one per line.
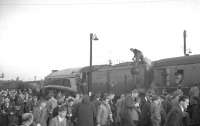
x=37, y=36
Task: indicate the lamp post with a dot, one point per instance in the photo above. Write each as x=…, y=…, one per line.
x=92, y=37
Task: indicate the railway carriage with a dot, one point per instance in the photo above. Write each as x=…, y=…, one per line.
x=171, y=73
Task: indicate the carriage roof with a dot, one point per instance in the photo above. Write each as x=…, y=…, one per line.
x=183, y=60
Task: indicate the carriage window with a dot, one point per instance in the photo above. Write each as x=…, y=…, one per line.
x=162, y=77
x=66, y=82
x=54, y=82
x=168, y=77
x=84, y=77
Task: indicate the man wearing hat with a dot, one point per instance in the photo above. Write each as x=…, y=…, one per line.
x=145, y=107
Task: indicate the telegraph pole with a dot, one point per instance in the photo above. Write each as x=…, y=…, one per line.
x=184, y=39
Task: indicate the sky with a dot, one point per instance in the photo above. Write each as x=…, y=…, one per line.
x=37, y=36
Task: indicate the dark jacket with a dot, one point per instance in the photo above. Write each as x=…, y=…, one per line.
x=194, y=110
x=145, y=118
x=176, y=117
x=167, y=105
x=84, y=112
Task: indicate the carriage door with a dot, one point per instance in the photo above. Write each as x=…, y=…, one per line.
x=108, y=84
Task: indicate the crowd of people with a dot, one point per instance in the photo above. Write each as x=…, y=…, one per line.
x=24, y=108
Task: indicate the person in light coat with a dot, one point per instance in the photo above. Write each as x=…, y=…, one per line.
x=60, y=119
x=156, y=111
x=40, y=115
x=104, y=114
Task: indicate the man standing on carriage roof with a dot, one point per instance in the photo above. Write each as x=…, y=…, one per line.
x=138, y=56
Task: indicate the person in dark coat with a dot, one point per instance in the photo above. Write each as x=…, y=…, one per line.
x=8, y=117
x=5, y=110
x=177, y=116
x=28, y=105
x=13, y=117
x=96, y=103
x=194, y=110
x=84, y=112
x=145, y=107
x=55, y=110
x=167, y=104
x=69, y=111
